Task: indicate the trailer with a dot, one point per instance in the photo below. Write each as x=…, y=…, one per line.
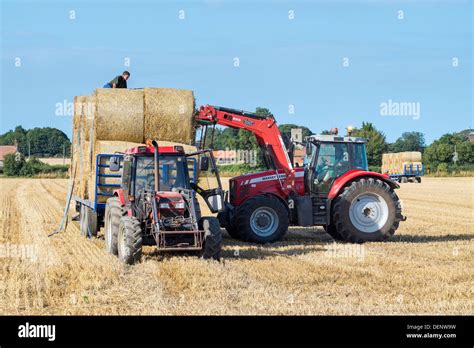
x=411, y=173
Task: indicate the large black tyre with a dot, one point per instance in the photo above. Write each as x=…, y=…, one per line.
x=88, y=224
x=367, y=210
x=113, y=213
x=129, y=240
x=212, y=238
x=233, y=232
x=332, y=231
x=262, y=219
x=228, y=224
x=404, y=180
x=418, y=179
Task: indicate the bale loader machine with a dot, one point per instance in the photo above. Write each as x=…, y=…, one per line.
x=334, y=189
x=156, y=204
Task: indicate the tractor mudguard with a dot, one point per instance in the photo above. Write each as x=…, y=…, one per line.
x=340, y=182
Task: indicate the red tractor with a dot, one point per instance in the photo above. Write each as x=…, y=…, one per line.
x=156, y=204
x=334, y=189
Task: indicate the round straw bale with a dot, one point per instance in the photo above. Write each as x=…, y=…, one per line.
x=118, y=115
x=169, y=115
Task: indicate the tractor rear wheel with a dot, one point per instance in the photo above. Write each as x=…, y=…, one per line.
x=212, y=238
x=262, y=219
x=332, y=231
x=232, y=231
x=367, y=210
x=88, y=222
x=129, y=240
x=113, y=213
x=228, y=224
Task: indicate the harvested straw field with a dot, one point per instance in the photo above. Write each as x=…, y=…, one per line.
x=427, y=268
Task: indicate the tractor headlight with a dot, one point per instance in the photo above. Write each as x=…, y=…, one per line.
x=164, y=205
x=179, y=205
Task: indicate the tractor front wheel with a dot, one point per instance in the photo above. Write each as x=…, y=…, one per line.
x=212, y=238
x=129, y=240
x=262, y=219
x=367, y=210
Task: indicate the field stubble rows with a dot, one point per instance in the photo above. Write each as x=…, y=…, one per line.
x=427, y=268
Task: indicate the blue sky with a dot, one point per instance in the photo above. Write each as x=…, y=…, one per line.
x=284, y=63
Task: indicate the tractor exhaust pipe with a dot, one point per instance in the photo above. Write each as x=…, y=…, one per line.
x=157, y=166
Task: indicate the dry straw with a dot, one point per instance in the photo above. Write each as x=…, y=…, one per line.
x=394, y=163
x=169, y=115
x=113, y=120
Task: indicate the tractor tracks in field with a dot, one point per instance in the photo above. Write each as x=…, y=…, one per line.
x=71, y=245
x=22, y=284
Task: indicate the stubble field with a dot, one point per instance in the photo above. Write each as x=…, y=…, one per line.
x=427, y=268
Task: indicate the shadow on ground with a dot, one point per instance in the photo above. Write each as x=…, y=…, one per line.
x=413, y=238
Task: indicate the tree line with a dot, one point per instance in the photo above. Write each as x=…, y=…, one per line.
x=38, y=142
x=452, y=151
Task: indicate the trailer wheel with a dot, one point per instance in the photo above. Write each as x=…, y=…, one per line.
x=113, y=213
x=404, y=180
x=418, y=179
x=367, y=210
x=88, y=222
x=212, y=238
x=129, y=240
x=262, y=219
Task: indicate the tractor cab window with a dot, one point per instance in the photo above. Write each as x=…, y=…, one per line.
x=332, y=162
x=360, y=157
x=172, y=173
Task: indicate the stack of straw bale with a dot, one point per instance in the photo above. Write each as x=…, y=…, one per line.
x=393, y=163
x=113, y=120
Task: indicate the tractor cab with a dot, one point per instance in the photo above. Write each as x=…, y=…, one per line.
x=330, y=156
x=177, y=171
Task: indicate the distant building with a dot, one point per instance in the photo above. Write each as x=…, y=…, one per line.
x=297, y=135
x=471, y=136
x=298, y=157
x=5, y=150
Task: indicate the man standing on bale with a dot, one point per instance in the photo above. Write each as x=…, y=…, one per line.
x=119, y=82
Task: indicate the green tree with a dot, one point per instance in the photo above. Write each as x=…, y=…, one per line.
x=13, y=164
x=40, y=141
x=15, y=137
x=376, y=144
x=262, y=111
x=48, y=142
x=409, y=141
x=442, y=150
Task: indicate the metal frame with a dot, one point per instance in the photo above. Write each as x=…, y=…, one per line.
x=408, y=171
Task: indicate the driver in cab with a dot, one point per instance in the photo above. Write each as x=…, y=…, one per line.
x=330, y=167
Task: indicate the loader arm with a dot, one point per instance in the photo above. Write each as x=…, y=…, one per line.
x=264, y=128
